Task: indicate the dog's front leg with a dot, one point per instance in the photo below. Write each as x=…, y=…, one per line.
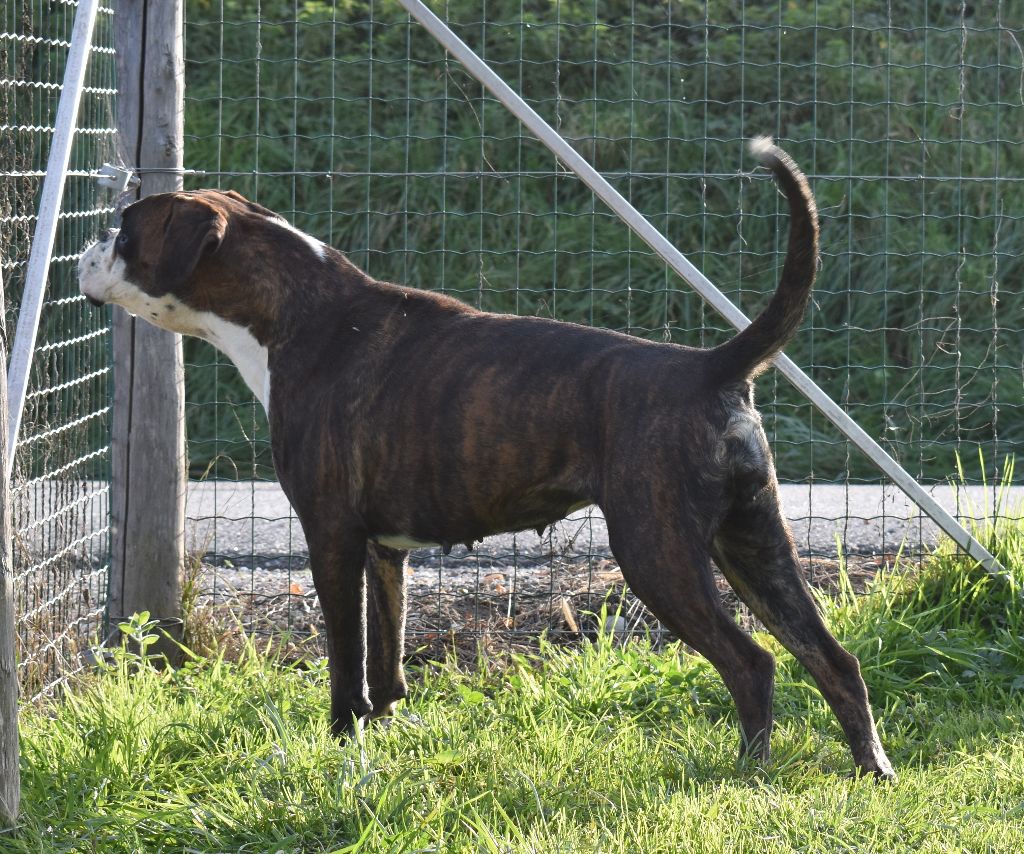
x=337, y=557
x=385, y=626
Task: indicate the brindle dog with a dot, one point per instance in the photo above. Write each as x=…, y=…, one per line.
x=402, y=418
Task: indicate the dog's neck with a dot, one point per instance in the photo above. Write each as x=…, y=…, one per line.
x=301, y=307
x=240, y=345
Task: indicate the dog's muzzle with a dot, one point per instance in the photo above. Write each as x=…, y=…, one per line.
x=89, y=266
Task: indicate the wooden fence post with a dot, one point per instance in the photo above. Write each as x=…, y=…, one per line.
x=10, y=775
x=148, y=443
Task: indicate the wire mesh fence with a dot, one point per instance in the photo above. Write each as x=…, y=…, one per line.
x=351, y=121
x=61, y=465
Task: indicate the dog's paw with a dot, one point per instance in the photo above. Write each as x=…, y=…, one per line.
x=349, y=723
x=886, y=775
x=882, y=774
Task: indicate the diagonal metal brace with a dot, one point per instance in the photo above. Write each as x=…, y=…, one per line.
x=700, y=283
x=46, y=225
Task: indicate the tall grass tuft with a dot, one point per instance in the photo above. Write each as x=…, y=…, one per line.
x=950, y=626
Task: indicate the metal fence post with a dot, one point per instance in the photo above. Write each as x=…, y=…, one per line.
x=148, y=442
x=49, y=215
x=10, y=775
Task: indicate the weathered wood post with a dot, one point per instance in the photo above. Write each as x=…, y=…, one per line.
x=148, y=442
x=10, y=776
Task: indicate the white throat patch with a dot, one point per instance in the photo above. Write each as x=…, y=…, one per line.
x=234, y=341
x=101, y=276
x=241, y=347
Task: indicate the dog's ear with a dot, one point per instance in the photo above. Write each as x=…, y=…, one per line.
x=193, y=229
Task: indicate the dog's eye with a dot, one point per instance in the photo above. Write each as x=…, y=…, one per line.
x=121, y=241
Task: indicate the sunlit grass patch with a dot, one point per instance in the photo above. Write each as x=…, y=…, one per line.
x=615, y=745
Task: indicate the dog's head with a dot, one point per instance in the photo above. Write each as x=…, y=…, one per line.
x=179, y=257
x=149, y=264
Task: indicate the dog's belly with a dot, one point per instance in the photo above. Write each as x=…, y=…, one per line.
x=401, y=541
x=442, y=532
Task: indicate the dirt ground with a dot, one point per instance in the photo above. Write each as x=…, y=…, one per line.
x=460, y=610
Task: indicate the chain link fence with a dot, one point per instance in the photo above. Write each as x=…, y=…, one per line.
x=352, y=122
x=349, y=120
x=61, y=464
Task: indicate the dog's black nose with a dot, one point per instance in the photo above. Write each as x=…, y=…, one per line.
x=94, y=301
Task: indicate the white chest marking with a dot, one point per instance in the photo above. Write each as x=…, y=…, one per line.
x=242, y=348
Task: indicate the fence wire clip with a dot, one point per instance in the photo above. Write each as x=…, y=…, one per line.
x=116, y=178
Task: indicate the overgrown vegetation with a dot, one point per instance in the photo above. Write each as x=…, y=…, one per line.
x=350, y=121
x=613, y=746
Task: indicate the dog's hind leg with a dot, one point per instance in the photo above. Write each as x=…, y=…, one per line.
x=673, y=578
x=385, y=627
x=755, y=551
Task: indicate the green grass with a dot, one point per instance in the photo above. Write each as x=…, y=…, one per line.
x=606, y=747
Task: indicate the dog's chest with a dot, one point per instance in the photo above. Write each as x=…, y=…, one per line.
x=242, y=348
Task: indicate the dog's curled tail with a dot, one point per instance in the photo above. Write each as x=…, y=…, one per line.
x=751, y=350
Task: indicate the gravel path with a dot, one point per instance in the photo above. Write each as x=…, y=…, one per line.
x=239, y=521
x=253, y=563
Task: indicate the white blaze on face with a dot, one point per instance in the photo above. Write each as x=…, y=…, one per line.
x=101, y=276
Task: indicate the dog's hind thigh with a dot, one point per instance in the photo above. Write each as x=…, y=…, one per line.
x=675, y=581
x=755, y=551
x=385, y=627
